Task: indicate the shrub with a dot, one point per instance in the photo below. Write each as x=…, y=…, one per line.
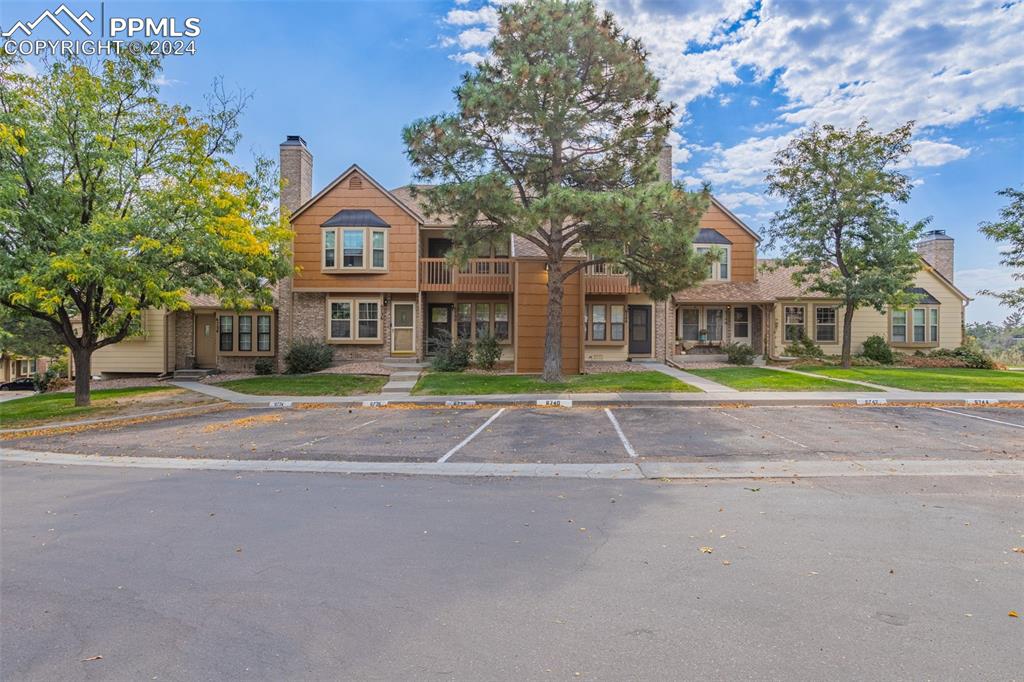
x=308, y=355
x=451, y=356
x=932, y=361
x=487, y=352
x=972, y=354
x=50, y=380
x=804, y=348
x=739, y=353
x=875, y=348
x=264, y=366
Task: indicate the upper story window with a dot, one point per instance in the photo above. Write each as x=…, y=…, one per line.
x=362, y=248
x=719, y=271
x=361, y=236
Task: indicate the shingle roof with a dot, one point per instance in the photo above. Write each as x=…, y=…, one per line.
x=771, y=284
x=406, y=194
x=355, y=218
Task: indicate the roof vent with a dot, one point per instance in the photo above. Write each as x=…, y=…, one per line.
x=355, y=182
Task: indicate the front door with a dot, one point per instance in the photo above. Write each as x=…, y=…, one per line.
x=206, y=340
x=403, y=316
x=639, y=330
x=439, y=324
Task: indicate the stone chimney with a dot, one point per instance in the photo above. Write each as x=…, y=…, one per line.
x=297, y=171
x=665, y=164
x=937, y=248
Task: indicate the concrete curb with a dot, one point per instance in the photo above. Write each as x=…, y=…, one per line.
x=604, y=471
x=168, y=413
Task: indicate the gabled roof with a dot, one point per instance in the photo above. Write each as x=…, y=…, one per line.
x=406, y=194
x=348, y=217
x=354, y=168
x=942, y=278
x=922, y=295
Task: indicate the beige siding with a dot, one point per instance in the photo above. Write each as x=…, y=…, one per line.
x=144, y=354
x=869, y=322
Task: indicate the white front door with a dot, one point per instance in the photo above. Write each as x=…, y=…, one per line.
x=403, y=327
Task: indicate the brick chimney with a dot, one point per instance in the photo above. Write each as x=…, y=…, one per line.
x=665, y=164
x=937, y=248
x=297, y=171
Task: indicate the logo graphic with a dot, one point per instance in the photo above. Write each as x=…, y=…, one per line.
x=27, y=28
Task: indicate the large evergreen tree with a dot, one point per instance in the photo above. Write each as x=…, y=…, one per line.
x=112, y=202
x=556, y=140
x=1010, y=229
x=839, y=228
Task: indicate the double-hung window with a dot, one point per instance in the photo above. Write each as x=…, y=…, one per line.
x=899, y=326
x=793, y=321
x=341, y=320
x=464, y=321
x=918, y=316
x=741, y=323
x=330, y=237
x=369, y=319
x=501, y=321
x=353, y=245
x=263, y=334
x=244, y=333
x=377, y=237
x=933, y=325
x=617, y=315
x=717, y=271
x=689, y=324
x=598, y=320
x=825, y=324
x=483, y=320
x=227, y=333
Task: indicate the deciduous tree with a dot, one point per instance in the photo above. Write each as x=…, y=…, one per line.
x=556, y=140
x=113, y=201
x=839, y=227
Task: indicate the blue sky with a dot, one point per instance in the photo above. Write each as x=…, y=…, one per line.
x=745, y=75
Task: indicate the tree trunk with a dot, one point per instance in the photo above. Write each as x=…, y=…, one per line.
x=848, y=311
x=553, y=333
x=83, y=371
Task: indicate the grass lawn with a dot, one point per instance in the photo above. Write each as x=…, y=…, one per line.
x=456, y=383
x=760, y=379
x=308, y=384
x=61, y=406
x=930, y=379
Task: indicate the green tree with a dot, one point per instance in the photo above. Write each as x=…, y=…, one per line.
x=1010, y=229
x=556, y=140
x=112, y=202
x=28, y=336
x=839, y=228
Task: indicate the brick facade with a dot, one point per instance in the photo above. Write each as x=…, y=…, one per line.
x=309, y=321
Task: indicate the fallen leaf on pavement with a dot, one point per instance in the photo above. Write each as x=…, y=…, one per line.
x=707, y=550
x=1012, y=614
x=1019, y=550
x=92, y=658
x=753, y=490
x=727, y=563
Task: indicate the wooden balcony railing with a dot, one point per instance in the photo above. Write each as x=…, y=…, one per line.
x=608, y=279
x=482, y=275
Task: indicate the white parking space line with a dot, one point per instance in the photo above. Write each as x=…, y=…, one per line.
x=317, y=440
x=470, y=436
x=974, y=416
x=772, y=433
x=618, y=429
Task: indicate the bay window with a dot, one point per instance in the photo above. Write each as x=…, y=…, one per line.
x=361, y=248
x=914, y=326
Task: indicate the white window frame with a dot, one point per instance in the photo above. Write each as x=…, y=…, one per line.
x=785, y=323
x=744, y=337
x=354, y=336
x=339, y=249
x=716, y=272
x=834, y=324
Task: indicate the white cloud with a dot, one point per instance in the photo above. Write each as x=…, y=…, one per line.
x=985, y=308
x=26, y=68
x=929, y=153
x=736, y=199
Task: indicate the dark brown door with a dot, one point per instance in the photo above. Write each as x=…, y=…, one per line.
x=639, y=330
x=439, y=324
x=206, y=340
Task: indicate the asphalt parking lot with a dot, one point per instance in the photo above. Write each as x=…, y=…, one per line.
x=575, y=435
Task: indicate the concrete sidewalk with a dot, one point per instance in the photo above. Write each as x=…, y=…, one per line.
x=752, y=469
x=711, y=397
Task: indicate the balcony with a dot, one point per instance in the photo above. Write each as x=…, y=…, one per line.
x=608, y=279
x=478, y=275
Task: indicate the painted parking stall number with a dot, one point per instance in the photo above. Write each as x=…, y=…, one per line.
x=554, y=403
x=981, y=401
x=459, y=403
x=281, y=403
x=872, y=401
x=375, y=403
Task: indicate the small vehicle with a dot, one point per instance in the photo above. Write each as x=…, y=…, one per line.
x=22, y=384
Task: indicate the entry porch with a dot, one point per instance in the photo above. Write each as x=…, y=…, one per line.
x=702, y=329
